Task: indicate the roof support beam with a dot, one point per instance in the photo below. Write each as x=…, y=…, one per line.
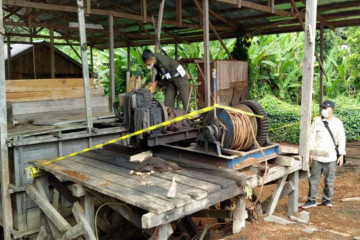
x=259, y=7
x=56, y=7
x=307, y=81
x=85, y=67
x=6, y=208
x=206, y=24
x=111, y=60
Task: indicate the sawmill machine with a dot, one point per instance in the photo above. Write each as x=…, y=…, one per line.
x=226, y=137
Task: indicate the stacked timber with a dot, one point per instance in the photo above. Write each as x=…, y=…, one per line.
x=33, y=99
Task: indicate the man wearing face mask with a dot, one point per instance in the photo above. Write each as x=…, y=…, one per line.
x=171, y=75
x=324, y=158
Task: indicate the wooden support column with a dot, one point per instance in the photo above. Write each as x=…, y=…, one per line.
x=144, y=11
x=307, y=81
x=7, y=218
x=179, y=12
x=52, y=53
x=240, y=214
x=111, y=60
x=176, y=51
x=92, y=60
x=128, y=57
x=294, y=195
x=85, y=67
x=206, y=51
x=9, y=57
x=322, y=63
x=159, y=24
x=34, y=58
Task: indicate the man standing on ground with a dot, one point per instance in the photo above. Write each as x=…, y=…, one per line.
x=322, y=143
x=169, y=74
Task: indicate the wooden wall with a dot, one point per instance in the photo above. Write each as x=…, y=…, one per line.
x=231, y=82
x=47, y=89
x=22, y=65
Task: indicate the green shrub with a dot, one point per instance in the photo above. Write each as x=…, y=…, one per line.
x=284, y=118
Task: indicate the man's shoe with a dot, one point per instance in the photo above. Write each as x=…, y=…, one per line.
x=309, y=204
x=327, y=203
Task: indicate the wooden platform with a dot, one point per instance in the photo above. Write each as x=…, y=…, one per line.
x=108, y=173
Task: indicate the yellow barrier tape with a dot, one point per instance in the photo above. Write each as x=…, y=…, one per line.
x=31, y=171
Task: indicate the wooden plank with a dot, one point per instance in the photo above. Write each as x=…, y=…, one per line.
x=151, y=220
x=81, y=218
x=56, y=105
x=39, y=85
x=287, y=189
x=48, y=209
x=77, y=190
x=239, y=85
x=276, y=195
x=180, y=176
x=198, y=178
x=206, y=52
x=111, y=59
x=276, y=173
x=350, y=199
x=113, y=178
x=49, y=95
x=74, y=232
x=285, y=161
x=6, y=208
x=128, y=195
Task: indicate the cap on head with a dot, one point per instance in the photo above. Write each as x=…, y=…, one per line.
x=328, y=103
x=147, y=54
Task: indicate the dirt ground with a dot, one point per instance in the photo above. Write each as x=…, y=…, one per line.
x=340, y=222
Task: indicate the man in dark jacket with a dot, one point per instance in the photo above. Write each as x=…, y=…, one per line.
x=169, y=74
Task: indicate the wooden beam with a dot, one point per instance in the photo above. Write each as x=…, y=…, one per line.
x=179, y=15
x=144, y=11
x=52, y=53
x=259, y=7
x=62, y=8
x=206, y=52
x=81, y=218
x=44, y=204
x=321, y=18
x=276, y=195
x=293, y=199
x=198, y=5
x=111, y=61
x=85, y=66
x=159, y=25
x=7, y=217
x=307, y=81
x=293, y=4
x=9, y=58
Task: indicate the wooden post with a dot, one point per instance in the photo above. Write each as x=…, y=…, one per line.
x=158, y=31
x=9, y=57
x=307, y=81
x=206, y=51
x=179, y=12
x=92, y=60
x=276, y=195
x=128, y=57
x=143, y=11
x=7, y=218
x=111, y=60
x=240, y=214
x=176, y=51
x=322, y=62
x=52, y=53
x=34, y=59
x=294, y=195
x=85, y=67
